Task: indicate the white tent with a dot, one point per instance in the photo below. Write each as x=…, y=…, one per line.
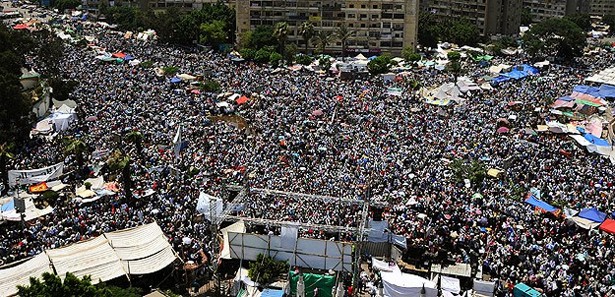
x=18, y=275
x=31, y=212
x=360, y=57
x=238, y=227
x=399, y=284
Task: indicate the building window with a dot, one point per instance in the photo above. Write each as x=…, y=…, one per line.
x=363, y=6
x=363, y=25
x=375, y=6
x=351, y=16
x=363, y=16
x=399, y=16
x=351, y=6
x=374, y=16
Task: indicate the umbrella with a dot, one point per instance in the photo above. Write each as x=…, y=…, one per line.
x=477, y=196
x=242, y=100
x=317, y=112
x=175, y=80
x=195, y=91
x=91, y=118
x=503, y=130
x=128, y=58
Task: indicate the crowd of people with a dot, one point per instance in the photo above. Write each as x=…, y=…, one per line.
x=364, y=145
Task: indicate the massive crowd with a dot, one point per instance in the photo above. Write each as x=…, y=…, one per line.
x=365, y=145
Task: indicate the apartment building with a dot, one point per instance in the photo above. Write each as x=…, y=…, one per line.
x=601, y=7
x=490, y=16
x=379, y=25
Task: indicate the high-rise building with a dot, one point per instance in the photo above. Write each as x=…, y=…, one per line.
x=490, y=16
x=379, y=25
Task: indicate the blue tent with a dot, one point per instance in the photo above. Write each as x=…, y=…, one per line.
x=593, y=91
x=593, y=214
x=175, y=80
x=515, y=74
x=595, y=140
x=566, y=98
x=10, y=205
x=540, y=204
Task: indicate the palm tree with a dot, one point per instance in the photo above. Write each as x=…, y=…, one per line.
x=76, y=147
x=121, y=162
x=5, y=154
x=136, y=138
x=280, y=32
x=307, y=32
x=323, y=39
x=343, y=34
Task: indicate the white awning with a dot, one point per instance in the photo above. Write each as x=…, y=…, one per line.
x=20, y=275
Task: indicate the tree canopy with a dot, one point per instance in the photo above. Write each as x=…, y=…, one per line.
x=265, y=269
x=52, y=285
x=555, y=37
x=434, y=29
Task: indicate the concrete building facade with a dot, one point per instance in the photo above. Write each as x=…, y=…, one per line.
x=378, y=25
x=490, y=16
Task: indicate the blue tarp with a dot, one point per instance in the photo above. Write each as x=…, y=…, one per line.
x=128, y=58
x=175, y=80
x=539, y=203
x=607, y=91
x=523, y=290
x=530, y=69
x=593, y=214
x=515, y=74
x=10, y=205
x=595, y=140
x=272, y=293
x=500, y=79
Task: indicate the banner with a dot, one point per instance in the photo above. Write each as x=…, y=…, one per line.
x=34, y=176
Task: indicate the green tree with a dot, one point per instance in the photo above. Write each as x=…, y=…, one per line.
x=5, y=154
x=76, y=147
x=324, y=63
x=62, y=5
x=410, y=55
x=454, y=65
x=474, y=171
x=561, y=38
x=303, y=59
x=213, y=33
x=262, y=55
x=120, y=162
x=275, y=59
x=323, y=39
x=247, y=53
x=582, y=20
x=290, y=51
x=50, y=53
x=14, y=107
x=429, y=31
x=52, y=285
x=262, y=36
x=136, y=138
x=463, y=32
x=609, y=20
x=526, y=17
x=380, y=64
x=280, y=32
x=266, y=270
x=343, y=34
x=307, y=33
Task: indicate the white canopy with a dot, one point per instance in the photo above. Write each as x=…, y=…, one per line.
x=20, y=275
x=360, y=57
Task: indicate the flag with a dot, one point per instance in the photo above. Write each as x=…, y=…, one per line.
x=177, y=141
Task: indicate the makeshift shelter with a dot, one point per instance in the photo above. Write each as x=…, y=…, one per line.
x=20, y=275
x=540, y=204
x=324, y=283
x=523, y=290
x=592, y=214
x=608, y=226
